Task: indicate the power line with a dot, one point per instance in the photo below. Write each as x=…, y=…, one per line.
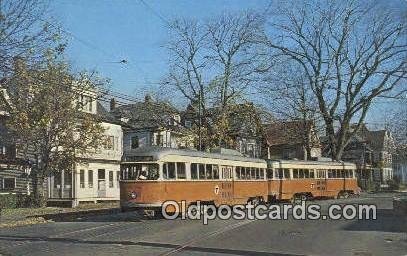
x=95, y=47
x=156, y=13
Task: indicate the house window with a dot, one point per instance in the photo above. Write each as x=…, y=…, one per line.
x=90, y=179
x=250, y=149
x=118, y=179
x=101, y=174
x=80, y=102
x=9, y=183
x=90, y=104
x=159, y=140
x=3, y=150
x=82, y=179
x=134, y=142
x=188, y=124
x=111, y=179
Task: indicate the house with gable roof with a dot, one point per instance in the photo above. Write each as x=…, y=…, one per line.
x=15, y=171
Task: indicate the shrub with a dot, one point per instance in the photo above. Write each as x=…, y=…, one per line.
x=17, y=201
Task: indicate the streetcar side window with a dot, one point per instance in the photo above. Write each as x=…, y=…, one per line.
x=165, y=171
x=201, y=171
x=169, y=171
x=257, y=173
x=306, y=173
x=270, y=174
x=140, y=172
x=238, y=172
x=252, y=173
x=301, y=174
x=312, y=174
x=194, y=171
x=330, y=174
x=286, y=173
x=276, y=172
x=209, y=172
x=295, y=173
x=262, y=174
x=243, y=172
x=181, y=174
x=279, y=173
x=215, y=169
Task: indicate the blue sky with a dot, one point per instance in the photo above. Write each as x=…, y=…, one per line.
x=109, y=31
x=104, y=32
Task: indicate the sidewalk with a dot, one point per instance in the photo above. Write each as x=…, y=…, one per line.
x=30, y=216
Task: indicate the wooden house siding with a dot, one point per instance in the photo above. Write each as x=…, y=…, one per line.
x=23, y=182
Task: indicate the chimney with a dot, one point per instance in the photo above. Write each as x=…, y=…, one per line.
x=147, y=98
x=112, y=104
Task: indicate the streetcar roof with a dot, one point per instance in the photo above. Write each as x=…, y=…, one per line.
x=159, y=152
x=304, y=162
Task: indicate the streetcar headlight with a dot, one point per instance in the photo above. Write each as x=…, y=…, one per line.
x=133, y=195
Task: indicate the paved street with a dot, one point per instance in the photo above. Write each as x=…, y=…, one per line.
x=126, y=234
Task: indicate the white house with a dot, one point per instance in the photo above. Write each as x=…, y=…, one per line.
x=96, y=176
x=151, y=123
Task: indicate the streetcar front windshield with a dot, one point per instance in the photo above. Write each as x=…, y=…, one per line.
x=140, y=172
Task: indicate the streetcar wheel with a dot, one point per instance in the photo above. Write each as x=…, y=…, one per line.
x=253, y=201
x=194, y=212
x=296, y=199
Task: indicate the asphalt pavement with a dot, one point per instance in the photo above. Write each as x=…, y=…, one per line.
x=129, y=234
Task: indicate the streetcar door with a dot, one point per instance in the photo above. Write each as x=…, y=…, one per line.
x=321, y=182
x=226, y=185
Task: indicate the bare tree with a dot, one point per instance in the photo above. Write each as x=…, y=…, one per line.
x=24, y=32
x=350, y=54
x=287, y=93
x=398, y=122
x=213, y=63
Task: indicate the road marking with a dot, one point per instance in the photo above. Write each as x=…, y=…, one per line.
x=217, y=232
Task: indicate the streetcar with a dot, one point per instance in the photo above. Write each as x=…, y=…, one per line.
x=152, y=175
x=303, y=180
